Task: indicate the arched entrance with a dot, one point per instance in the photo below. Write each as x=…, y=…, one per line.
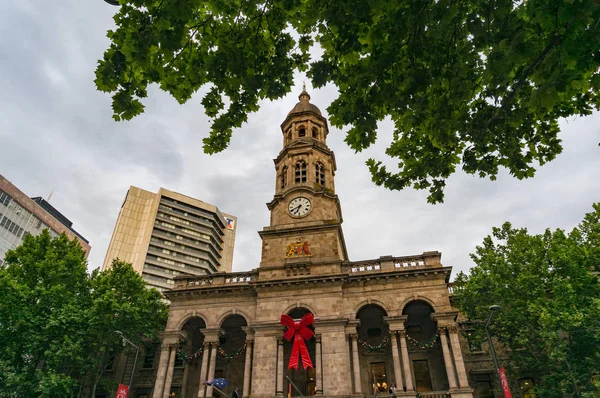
x=303, y=379
x=188, y=359
x=374, y=348
x=231, y=354
x=424, y=348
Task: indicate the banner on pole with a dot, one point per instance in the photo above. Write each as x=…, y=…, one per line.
x=505, y=387
x=123, y=391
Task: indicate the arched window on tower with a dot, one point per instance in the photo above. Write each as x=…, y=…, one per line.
x=302, y=132
x=315, y=132
x=320, y=173
x=283, y=177
x=300, y=174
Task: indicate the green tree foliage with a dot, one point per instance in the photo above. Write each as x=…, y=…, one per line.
x=57, y=322
x=475, y=83
x=548, y=288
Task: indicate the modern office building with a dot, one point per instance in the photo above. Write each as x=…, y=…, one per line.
x=166, y=234
x=20, y=214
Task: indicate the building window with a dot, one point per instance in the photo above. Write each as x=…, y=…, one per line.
x=149, y=356
x=302, y=132
x=11, y=227
x=4, y=198
x=320, y=173
x=475, y=341
x=300, y=175
x=483, y=386
x=315, y=132
x=283, y=176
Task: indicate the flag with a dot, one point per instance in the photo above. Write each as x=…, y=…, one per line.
x=219, y=383
x=123, y=391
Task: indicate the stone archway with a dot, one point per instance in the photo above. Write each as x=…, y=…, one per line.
x=374, y=348
x=231, y=353
x=303, y=379
x=424, y=348
x=189, y=358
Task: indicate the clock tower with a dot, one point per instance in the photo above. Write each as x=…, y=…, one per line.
x=305, y=233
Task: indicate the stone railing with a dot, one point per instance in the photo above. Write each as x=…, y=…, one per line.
x=451, y=288
x=365, y=267
x=409, y=263
x=391, y=264
x=434, y=394
x=233, y=278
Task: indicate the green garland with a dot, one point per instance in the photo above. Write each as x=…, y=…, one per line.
x=377, y=348
x=234, y=354
x=187, y=358
x=427, y=345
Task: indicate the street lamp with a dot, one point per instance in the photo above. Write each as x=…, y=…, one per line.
x=137, y=350
x=493, y=309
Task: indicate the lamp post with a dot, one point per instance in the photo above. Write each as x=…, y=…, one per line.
x=493, y=309
x=137, y=350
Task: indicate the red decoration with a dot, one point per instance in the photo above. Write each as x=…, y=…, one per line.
x=299, y=331
x=505, y=387
x=123, y=391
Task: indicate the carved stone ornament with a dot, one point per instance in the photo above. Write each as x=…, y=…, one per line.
x=164, y=347
x=442, y=330
x=452, y=329
x=402, y=334
x=318, y=338
x=298, y=249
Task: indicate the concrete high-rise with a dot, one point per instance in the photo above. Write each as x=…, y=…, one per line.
x=166, y=234
x=20, y=214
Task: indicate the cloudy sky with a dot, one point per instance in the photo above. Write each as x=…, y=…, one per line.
x=56, y=134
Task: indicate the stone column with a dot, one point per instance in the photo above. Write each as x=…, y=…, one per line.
x=211, y=368
x=169, y=376
x=356, y=364
x=279, y=388
x=461, y=372
x=318, y=368
x=406, y=362
x=247, y=369
x=447, y=358
x=396, y=359
x=163, y=363
x=203, y=369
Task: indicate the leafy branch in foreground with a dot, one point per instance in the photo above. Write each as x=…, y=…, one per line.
x=471, y=83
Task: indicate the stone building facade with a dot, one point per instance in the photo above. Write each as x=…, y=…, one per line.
x=378, y=324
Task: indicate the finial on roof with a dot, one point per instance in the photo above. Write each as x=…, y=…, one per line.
x=304, y=95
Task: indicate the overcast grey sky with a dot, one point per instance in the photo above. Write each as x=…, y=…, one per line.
x=56, y=133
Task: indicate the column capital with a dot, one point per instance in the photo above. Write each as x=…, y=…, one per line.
x=442, y=330
x=453, y=329
x=395, y=322
x=402, y=334
x=352, y=336
x=212, y=335
x=444, y=318
x=279, y=340
x=318, y=338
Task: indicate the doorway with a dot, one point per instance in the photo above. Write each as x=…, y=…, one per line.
x=422, y=376
x=379, y=380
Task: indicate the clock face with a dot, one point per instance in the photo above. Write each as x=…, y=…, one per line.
x=299, y=206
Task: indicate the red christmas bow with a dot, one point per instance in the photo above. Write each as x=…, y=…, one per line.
x=300, y=332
